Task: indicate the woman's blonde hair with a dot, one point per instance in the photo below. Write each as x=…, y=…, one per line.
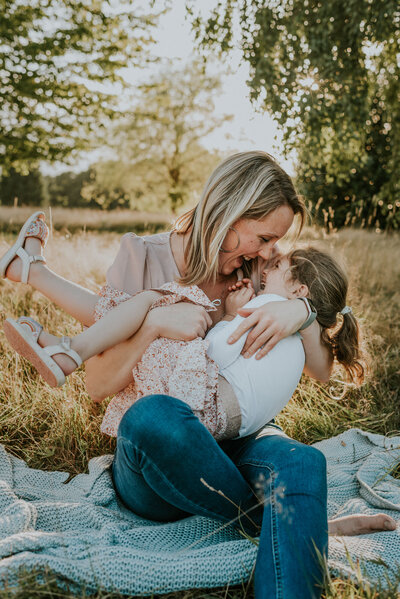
x=245, y=185
x=328, y=285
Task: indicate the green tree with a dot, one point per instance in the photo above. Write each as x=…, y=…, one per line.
x=160, y=139
x=329, y=73
x=60, y=67
x=22, y=190
x=65, y=189
x=144, y=185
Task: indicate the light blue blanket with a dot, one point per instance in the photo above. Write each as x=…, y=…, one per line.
x=81, y=533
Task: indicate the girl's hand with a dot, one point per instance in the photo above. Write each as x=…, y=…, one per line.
x=182, y=321
x=241, y=284
x=270, y=324
x=237, y=299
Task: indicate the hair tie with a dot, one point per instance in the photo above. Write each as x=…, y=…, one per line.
x=346, y=310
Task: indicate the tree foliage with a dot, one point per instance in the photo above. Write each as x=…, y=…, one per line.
x=58, y=60
x=145, y=185
x=329, y=73
x=159, y=140
x=158, y=160
x=66, y=189
x=23, y=190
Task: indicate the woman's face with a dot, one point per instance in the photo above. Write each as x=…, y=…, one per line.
x=257, y=238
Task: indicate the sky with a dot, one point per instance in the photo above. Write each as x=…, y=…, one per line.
x=250, y=129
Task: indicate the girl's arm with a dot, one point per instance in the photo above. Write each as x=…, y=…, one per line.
x=218, y=349
x=182, y=321
x=276, y=320
x=111, y=371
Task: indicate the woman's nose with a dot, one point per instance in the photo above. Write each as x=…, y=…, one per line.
x=266, y=253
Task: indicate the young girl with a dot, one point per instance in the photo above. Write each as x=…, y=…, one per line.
x=197, y=370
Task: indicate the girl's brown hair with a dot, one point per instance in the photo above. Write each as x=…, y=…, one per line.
x=327, y=284
x=245, y=185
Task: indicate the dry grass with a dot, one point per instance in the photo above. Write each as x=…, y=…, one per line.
x=59, y=429
x=71, y=220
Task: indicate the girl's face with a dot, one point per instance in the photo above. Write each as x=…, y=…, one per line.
x=277, y=279
x=257, y=238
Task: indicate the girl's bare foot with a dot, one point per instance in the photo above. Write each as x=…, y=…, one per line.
x=33, y=247
x=66, y=363
x=361, y=524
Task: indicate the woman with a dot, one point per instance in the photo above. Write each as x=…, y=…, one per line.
x=273, y=485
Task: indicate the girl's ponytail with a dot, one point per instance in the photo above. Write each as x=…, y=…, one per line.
x=345, y=343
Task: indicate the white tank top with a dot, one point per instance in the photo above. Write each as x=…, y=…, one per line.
x=262, y=387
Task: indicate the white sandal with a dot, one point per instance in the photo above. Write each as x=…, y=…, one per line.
x=34, y=226
x=23, y=335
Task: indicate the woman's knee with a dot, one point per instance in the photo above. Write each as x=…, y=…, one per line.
x=312, y=458
x=310, y=470
x=299, y=468
x=153, y=416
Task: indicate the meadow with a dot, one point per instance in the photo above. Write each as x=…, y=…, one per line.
x=59, y=429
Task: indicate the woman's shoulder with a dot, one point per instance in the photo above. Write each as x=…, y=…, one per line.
x=132, y=239
x=142, y=262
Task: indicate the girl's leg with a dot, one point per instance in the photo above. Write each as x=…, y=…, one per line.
x=72, y=298
x=116, y=326
x=167, y=464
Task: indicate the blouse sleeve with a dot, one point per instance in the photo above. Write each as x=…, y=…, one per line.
x=128, y=269
x=125, y=277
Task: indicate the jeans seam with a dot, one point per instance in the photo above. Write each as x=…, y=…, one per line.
x=274, y=523
x=211, y=514
x=274, y=535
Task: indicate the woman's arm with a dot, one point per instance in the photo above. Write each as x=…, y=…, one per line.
x=111, y=371
x=319, y=358
x=276, y=320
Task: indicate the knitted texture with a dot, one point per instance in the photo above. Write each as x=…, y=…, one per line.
x=80, y=531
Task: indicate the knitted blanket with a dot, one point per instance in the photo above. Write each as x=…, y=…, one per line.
x=80, y=532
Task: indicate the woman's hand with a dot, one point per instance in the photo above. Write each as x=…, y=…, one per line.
x=277, y=320
x=269, y=323
x=183, y=321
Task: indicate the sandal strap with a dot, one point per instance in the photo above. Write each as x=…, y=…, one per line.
x=64, y=347
x=27, y=260
x=34, y=327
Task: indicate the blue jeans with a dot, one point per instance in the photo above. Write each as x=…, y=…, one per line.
x=276, y=487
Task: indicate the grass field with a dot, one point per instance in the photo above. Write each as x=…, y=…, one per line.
x=59, y=429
